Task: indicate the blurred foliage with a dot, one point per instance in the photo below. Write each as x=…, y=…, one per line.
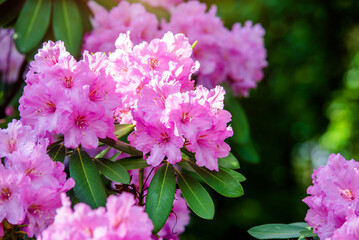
x=300, y=112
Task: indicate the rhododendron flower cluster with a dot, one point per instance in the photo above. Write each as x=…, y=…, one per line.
x=119, y=221
x=30, y=182
x=236, y=57
x=63, y=96
x=10, y=58
x=334, y=199
x=154, y=81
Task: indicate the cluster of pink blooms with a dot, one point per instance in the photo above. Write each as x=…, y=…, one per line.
x=120, y=220
x=10, y=58
x=333, y=203
x=69, y=97
x=237, y=56
x=30, y=182
x=154, y=82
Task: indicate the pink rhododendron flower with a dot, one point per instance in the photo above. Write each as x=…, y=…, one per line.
x=234, y=56
x=10, y=58
x=63, y=96
x=348, y=231
x=30, y=182
x=121, y=220
x=154, y=81
x=334, y=195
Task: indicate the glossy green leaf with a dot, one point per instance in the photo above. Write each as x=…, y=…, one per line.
x=89, y=187
x=114, y=157
x=103, y=152
x=221, y=181
x=308, y=233
x=113, y=170
x=160, y=196
x=57, y=153
x=238, y=176
x=32, y=24
x=229, y=162
x=276, y=231
x=131, y=163
x=67, y=25
x=196, y=196
x=123, y=129
x=122, y=146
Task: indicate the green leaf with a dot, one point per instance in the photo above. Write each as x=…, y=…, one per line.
x=131, y=163
x=229, y=162
x=238, y=176
x=114, y=157
x=119, y=145
x=308, y=233
x=9, y=11
x=57, y=153
x=32, y=24
x=300, y=224
x=103, y=153
x=113, y=170
x=276, y=231
x=160, y=196
x=2, y=1
x=89, y=187
x=123, y=129
x=241, y=132
x=196, y=196
x=67, y=25
x=221, y=181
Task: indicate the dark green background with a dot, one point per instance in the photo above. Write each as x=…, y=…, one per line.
x=310, y=47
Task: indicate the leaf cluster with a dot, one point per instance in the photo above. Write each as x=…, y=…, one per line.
x=92, y=177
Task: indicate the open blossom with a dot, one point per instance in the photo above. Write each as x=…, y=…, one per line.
x=10, y=58
x=120, y=220
x=30, y=182
x=349, y=230
x=334, y=195
x=63, y=96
